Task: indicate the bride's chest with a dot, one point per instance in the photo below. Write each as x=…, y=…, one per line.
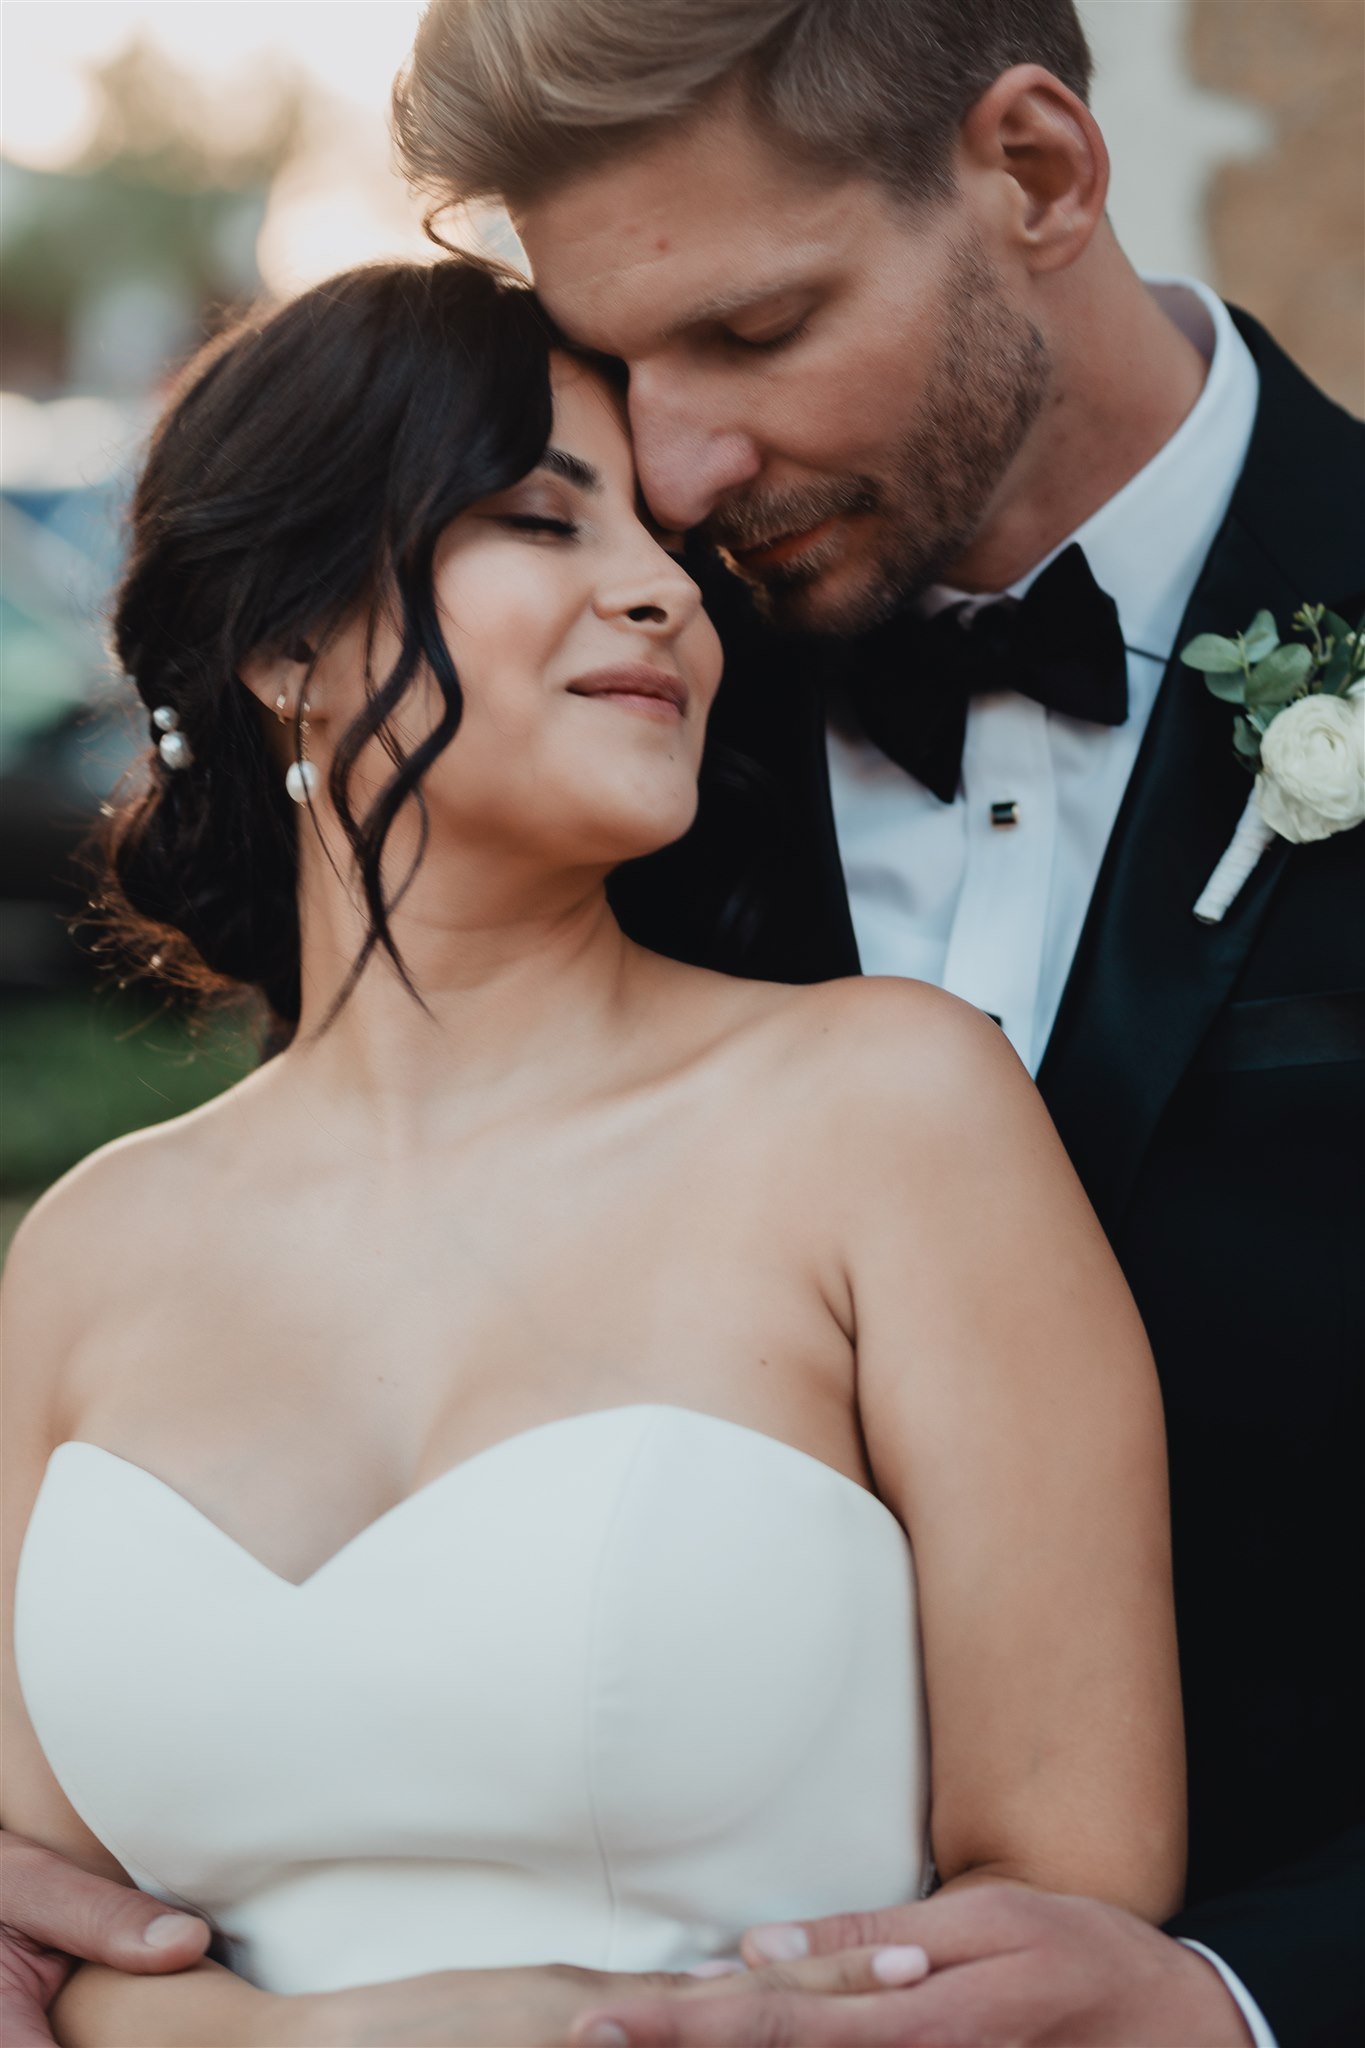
x=296, y=1368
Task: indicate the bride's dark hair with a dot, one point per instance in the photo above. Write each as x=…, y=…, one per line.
x=305, y=468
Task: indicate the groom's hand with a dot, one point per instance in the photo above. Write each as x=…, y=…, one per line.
x=54, y=1911
x=1008, y=1968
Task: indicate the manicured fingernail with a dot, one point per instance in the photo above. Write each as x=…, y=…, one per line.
x=723, y=1966
x=603, y=2034
x=900, y=1965
x=168, y=1928
x=780, y=1944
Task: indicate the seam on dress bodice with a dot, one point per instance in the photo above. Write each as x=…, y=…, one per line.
x=592, y=1694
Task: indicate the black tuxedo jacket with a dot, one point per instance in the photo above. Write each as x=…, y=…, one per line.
x=1209, y=1083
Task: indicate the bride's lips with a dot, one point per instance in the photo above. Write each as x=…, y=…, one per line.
x=783, y=548
x=651, y=692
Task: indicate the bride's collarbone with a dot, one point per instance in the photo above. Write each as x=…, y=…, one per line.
x=592, y=1231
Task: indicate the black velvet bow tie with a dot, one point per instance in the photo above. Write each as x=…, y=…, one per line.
x=911, y=681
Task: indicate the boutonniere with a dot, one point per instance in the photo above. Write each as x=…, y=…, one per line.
x=1299, y=729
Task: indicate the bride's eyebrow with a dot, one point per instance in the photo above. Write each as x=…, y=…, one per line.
x=572, y=468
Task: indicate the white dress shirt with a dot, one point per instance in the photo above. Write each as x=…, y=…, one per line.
x=992, y=912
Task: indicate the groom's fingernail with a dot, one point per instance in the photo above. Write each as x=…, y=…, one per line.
x=780, y=1944
x=168, y=1928
x=603, y=2034
x=900, y=1965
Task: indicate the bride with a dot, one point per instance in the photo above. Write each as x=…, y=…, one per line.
x=576, y=1454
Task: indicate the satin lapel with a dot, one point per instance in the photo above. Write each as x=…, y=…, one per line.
x=1148, y=977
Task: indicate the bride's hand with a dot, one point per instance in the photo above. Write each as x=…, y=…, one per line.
x=549, y=2006
x=521, y=2008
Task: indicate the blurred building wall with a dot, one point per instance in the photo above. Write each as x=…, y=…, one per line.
x=1288, y=225
x=1237, y=131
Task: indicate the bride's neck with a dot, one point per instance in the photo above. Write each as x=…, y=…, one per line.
x=522, y=980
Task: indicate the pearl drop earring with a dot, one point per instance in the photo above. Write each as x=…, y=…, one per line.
x=302, y=777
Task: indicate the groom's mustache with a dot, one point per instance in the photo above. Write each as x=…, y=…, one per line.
x=765, y=517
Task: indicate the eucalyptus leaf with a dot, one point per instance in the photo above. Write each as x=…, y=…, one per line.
x=1247, y=740
x=1230, y=689
x=1261, y=636
x=1212, y=653
x=1280, y=675
x=1336, y=676
x=1344, y=663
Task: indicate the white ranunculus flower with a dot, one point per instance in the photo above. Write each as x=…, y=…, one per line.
x=1312, y=779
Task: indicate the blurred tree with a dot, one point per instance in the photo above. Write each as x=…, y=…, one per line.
x=164, y=127
x=128, y=258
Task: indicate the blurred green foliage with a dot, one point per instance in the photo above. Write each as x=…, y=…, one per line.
x=77, y=1071
x=162, y=192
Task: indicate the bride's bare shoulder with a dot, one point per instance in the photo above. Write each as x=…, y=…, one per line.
x=877, y=1017
x=119, y=1213
x=905, y=1100
x=866, y=1067
x=880, y=1039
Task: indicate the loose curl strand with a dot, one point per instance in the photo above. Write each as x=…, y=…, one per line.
x=303, y=471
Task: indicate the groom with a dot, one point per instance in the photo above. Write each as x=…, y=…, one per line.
x=885, y=350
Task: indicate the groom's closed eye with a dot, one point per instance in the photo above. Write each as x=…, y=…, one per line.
x=762, y=343
x=761, y=316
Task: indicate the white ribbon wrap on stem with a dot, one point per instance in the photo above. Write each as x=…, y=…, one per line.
x=1245, y=848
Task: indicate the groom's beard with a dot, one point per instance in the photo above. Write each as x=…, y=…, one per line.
x=982, y=395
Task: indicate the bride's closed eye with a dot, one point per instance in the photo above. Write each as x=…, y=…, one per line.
x=535, y=522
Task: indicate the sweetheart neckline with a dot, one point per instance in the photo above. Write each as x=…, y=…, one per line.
x=440, y=1480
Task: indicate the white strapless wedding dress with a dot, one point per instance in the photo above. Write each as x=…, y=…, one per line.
x=606, y=1693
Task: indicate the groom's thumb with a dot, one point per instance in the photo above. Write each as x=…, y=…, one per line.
x=789, y=1941
x=58, y=1905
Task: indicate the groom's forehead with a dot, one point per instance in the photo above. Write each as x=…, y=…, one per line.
x=642, y=298
x=689, y=229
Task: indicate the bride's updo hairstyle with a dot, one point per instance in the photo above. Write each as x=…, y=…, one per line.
x=303, y=472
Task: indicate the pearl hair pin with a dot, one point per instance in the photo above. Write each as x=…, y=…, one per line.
x=173, y=747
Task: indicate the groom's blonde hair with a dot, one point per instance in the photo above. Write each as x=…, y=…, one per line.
x=503, y=99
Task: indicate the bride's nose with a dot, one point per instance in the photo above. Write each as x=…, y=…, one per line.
x=656, y=593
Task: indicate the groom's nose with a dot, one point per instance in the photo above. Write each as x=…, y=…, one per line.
x=686, y=463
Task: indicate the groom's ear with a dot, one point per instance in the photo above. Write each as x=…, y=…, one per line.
x=1034, y=152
